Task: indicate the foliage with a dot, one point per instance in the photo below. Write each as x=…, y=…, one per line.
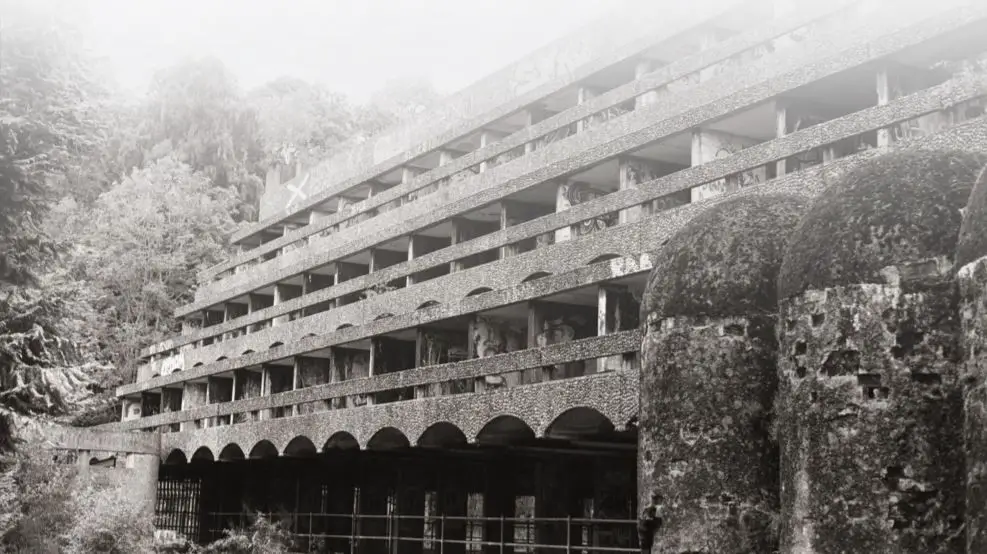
x=41, y=506
x=140, y=247
x=104, y=520
x=299, y=121
x=262, y=537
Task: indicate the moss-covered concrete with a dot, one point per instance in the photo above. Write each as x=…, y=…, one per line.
x=973, y=232
x=725, y=261
x=706, y=393
x=900, y=207
x=972, y=281
x=709, y=377
x=868, y=419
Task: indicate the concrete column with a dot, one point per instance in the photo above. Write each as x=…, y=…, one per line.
x=458, y=226
x=883, y=97
x=972, y=280
x=278, y=296
x=643, y=68
x=583, y=95
x=445, y=157
x=633, y=172
x=507, y=250
x=709, y=145
x=563, y=203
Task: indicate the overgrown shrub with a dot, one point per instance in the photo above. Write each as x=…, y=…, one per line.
x=262, y=537
x=41, y=508
x=107, y=520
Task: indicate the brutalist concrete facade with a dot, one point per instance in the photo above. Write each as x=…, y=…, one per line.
x=472, y=286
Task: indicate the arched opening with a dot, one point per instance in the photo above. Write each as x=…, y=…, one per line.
x=383, y=316
x=505, y=429
x=198, y=364
x=535, y=276
x=603, y=258
x=176, y=457
x=480, y=290
x=275, y=345
x=442, y=434
x=231, y=453
x=248, y=351
x=109, y=461
x=344, y=326
x=388, y=438
x=428, y=304
x=263, y=449
x=203, y=454
x=341, y=440
x=300, y=447
x=221, y=358
x=580, y=422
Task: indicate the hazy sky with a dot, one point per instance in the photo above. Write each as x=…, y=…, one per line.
x=353, y=46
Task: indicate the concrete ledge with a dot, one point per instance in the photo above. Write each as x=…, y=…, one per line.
x=613, y=394
x=584, y=349
x=72, y=438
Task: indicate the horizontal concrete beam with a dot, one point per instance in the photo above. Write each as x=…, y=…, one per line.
x=745, y=87
x=613, y=394
x=651, y=81
x=72, y=438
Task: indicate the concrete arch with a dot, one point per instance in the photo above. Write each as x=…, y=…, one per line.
x=221, y=358
x=263, y=450
x=388, y=438
x=198, y=364
x=579, y=421
x=231, y=453
x=535, y=276
x=176, y=457
x=479, y=290
x=341, y=440
x=300, y=447
x=504, y=429
x=428, y=304
x=603, y=258
x=384, y=315
x=344, y=326
x=275, y=344
x=247, y=351
x=203, y=454
x=442, y=434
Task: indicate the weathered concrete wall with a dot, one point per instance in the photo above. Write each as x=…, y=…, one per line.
x=869, y=419
x=972, y=280
x=705, y=442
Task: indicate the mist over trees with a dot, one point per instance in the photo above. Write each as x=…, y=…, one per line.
x=110, y=204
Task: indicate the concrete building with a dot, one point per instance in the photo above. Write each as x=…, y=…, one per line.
x=431, y=342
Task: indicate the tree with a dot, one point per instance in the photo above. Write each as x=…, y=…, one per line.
x=299, y=121
x=140, y=247
x=195, y=114
x=49, y=125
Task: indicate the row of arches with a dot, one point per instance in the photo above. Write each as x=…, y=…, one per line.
x=501, y=430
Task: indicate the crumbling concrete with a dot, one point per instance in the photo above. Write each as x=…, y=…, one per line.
x=869, y=392
x=709, y=379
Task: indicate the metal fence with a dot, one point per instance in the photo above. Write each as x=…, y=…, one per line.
x=442, y=534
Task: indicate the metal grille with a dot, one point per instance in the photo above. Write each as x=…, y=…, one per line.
x=177, y=507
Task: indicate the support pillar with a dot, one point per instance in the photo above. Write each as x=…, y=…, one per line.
x=583, y=95
x=562, y=203
x=709, y=145
x=643, y=68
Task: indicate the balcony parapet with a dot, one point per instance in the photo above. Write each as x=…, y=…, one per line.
x=613, y=394
x=719, y=53
x=578, y=350
x=719, y=97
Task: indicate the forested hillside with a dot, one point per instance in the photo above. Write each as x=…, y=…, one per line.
x=110, y=204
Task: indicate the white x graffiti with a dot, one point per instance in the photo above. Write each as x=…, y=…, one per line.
x=296, y=193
